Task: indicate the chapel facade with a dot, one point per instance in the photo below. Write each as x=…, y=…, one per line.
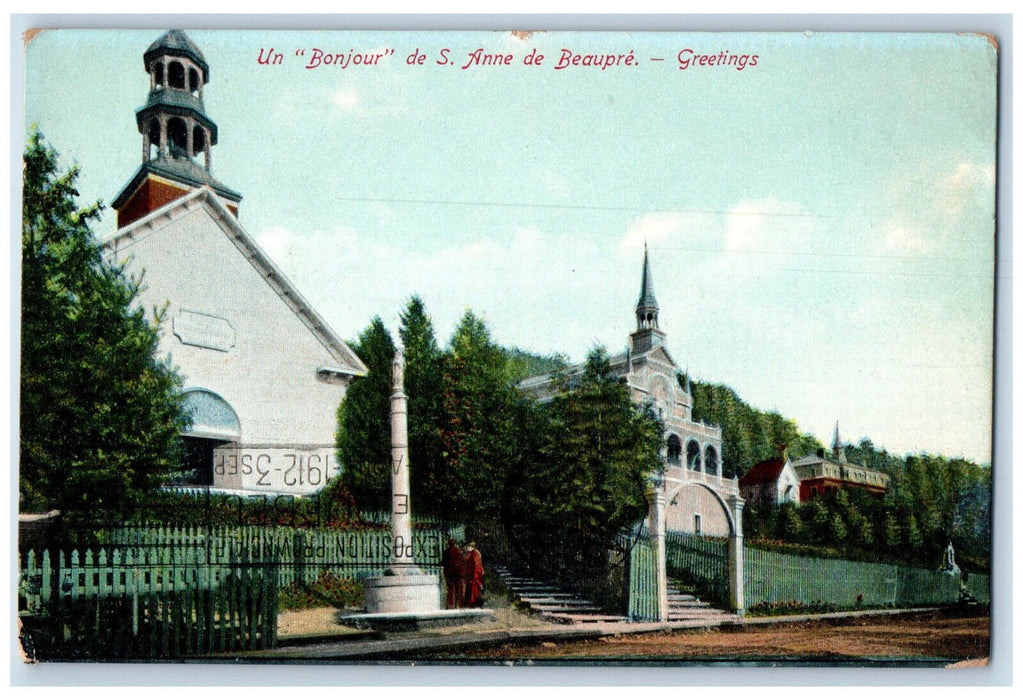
x=693, y=484
x=263, y=372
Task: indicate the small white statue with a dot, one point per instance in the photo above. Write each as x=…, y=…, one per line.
x=948, y=561
x=398, y=368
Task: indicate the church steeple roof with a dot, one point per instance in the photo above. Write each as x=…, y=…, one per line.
x=176, y=43
x=647, y=335
x=837, y=448
x=646, y=289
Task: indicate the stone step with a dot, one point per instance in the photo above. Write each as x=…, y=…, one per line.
x=567, y=608
x=584, y=618
x=531, y=586
x=557, y=601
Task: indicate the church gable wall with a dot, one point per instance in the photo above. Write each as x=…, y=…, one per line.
x=268, y=374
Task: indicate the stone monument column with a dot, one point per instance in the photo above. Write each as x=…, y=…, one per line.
x=404, y=589
x=402, y=559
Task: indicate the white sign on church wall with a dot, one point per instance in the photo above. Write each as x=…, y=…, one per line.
x=203, y=330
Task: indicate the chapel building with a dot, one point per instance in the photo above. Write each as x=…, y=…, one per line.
x=263, y=372
x=693, y=482
x=821, y=474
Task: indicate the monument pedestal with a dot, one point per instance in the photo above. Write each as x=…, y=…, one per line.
x=408, y=593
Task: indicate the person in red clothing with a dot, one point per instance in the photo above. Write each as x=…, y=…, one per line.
x=472, y=575
x=451, y=565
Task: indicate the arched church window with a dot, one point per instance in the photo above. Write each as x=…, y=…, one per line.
x=198, y=140
x=193, y=80
x=693, y=456
x=158, y=73
x=176, y=75
x=212, y=416
x=154, y=136
x=674, y=450
x=177, y=137
x=711, y=461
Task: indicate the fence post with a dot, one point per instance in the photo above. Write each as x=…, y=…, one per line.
x=736, y=594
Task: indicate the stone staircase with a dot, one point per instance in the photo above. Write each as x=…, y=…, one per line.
x=555, y=605
x=685, y=607
x=551, y=603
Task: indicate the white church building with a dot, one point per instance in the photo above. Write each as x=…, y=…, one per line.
x=264, y=373
x=693, y=488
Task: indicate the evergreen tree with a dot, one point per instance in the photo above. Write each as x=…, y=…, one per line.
x=101, y=415
x=364, y=422
x=586, y=482
x=477, y=426
x=424, y=386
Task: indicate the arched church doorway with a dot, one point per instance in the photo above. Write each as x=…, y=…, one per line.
x=214, y=423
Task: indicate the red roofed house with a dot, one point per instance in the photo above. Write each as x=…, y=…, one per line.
x=770, y=481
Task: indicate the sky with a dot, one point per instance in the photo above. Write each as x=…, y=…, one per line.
x=820, y=224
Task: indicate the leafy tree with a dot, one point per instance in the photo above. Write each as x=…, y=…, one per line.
x=101, y=415
x=522, y=364
x=364, y=422
x=790, y=525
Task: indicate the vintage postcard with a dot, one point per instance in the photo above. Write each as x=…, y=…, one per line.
x=507, y=347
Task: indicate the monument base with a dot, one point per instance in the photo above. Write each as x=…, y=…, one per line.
x=410, y=593
x=410, y=622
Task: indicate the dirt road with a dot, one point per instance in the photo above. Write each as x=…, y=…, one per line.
x=927, y=636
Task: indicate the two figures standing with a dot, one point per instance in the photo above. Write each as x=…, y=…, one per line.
x=463, y=575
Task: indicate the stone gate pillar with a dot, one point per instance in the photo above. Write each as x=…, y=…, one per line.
x=658, y=525
x=736, y=594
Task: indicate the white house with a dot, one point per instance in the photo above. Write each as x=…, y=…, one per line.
x=771, y=481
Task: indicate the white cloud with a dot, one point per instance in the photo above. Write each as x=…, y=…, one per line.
x=552, y=183
x=967, y=181
x=904, y=239
x=754, y=225
x=657, y=229
x=346, y=99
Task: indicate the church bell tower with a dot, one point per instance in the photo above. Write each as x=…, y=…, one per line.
x=177, y=136
x=647, y=335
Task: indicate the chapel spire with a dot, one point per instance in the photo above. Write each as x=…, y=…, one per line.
x=837, y=448
x=648, y=334
x=177, y=135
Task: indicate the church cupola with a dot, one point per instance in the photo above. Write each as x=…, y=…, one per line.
x=177, y=135
x=173, y=122
x=647, y=334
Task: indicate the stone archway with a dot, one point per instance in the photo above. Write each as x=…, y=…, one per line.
x=659, y=499
x=672, y=493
